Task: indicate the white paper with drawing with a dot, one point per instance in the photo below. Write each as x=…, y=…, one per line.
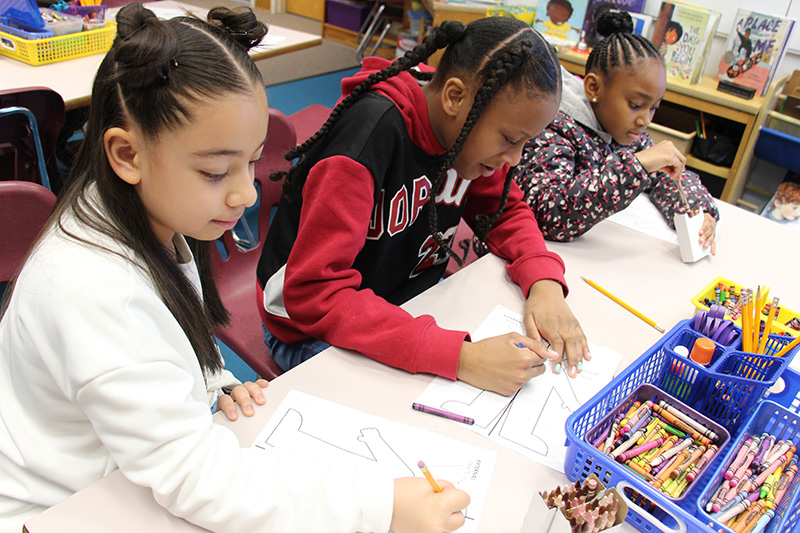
x=307, y=423
x=532, y=421
x=643, y=216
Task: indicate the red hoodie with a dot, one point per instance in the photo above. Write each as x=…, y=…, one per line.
x=358, y=244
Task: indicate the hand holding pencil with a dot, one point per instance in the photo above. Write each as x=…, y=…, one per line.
x=419, y=506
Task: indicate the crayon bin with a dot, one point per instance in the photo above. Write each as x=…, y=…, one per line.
x=687, y=381
x=646, y=392
x=779, y=325
x=784, y=424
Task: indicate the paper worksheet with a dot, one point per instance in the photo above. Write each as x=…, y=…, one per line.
x=323, y=428
x=643, y=216
x=532, y=422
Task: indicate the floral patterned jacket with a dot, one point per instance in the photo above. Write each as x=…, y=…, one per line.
x=572, y=179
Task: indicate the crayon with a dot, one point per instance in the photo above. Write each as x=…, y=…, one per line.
x=724, y=516
x=444, y=414
x=684, y=444
x=689, y=420
x=681, y=425
x=696, y=453
x=633, y=452
x=739, y=460
x=785, y=480
x=763, y=521
x=766, y=444
x=704, y=460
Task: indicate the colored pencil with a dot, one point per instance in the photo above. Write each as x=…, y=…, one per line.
x=429, y=477
x=623, y=304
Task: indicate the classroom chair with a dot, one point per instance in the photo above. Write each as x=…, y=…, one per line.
x=24, y=209
x=235, y=275
x=31, y=119
x=309, y=120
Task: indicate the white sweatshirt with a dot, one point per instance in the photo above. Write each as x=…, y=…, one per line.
x=96, y=374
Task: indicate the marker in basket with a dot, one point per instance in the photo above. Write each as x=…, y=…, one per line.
x=429, y=477
x=623, y=304
x=444, y=414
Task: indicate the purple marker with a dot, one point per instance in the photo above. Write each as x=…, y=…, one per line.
x=444, y=414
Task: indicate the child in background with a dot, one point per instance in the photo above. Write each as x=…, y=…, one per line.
x=596, y=157
x=107, y=355
x=371, y=209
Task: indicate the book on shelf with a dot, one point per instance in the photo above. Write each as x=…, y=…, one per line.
x=642, y=24
x=560, y=21
x=595, y=8
x=784, y=206
x=683, y=33
x=754, y=48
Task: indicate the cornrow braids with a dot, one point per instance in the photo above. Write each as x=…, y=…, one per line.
x=620, y=46
x=525, y=60
x=438, y=38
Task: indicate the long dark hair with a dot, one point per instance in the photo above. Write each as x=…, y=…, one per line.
x=152, y=75
x=491, y=52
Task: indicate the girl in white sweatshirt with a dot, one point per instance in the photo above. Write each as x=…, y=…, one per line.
x=107, y=356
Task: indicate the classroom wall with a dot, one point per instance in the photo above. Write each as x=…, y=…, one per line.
x=728, y=8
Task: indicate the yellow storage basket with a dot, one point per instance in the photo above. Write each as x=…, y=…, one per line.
x=53, y=49
x=778, y=326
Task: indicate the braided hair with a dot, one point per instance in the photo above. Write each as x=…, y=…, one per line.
x=152, y=75
x=492, y=53
x=620, y=46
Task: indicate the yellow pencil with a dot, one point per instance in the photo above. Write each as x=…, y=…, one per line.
x=429, y=477
x=786, y=349
x=623, y=304
x=762, y=344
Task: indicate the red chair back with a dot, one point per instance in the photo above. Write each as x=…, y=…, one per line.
x=20, y=161
x=236, y=275
x=309, y=120
x=24, y=209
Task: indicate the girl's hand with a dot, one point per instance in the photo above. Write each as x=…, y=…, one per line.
x=498, y=363
x=244, y=396
x=418, y=508
x=547, y=317
x=708, y=233
x=664, y=157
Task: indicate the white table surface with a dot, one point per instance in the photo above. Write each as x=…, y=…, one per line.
x=73, y=78
x=644, y=271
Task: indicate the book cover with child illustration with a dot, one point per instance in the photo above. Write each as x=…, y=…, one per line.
x=754, y=48
x=784, y=206
x=683, y=33
x=560, y=21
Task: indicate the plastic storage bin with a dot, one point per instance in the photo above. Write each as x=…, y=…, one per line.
x=61, y=23
x=50, y=49
x=780, y=322
x=648, y=392
x=346, y=14
x=784, y=424
x=727, y=399
x=673, y=124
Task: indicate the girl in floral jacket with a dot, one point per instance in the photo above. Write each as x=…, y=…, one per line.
x=595, y=157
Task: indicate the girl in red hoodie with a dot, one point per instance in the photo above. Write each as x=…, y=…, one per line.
x=370, y=211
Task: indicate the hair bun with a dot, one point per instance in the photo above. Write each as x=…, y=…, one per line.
x=131, y=18
x=240, y=23
x=145, y=48
x=613, y=21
